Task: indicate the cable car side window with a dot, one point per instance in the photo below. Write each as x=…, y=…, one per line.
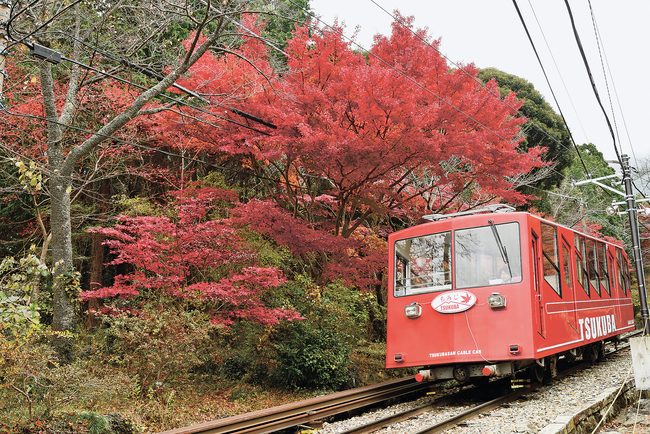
x=619, y=272
x=566, y=264
x=550, y=257
x=487, y=255
x=583, y=273
x=592, y=262
x=602, y=262
x=626, y=275
x=423, y=264
x=579, y=273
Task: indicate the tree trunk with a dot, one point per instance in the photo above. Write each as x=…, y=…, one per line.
x=97, y=255
x=63, y=309
x=60, y=186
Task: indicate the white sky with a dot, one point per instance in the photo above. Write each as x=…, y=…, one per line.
x=490, y=34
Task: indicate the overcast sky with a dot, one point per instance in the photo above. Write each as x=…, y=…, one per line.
x=490, y=34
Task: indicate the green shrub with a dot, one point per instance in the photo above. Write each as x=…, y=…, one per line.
x=315, y=352
x=314, y=358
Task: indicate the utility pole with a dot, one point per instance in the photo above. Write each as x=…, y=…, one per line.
x=636, y=242
x=5, y=9
x=630, y=201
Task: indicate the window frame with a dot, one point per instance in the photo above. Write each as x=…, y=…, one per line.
x=398, y=257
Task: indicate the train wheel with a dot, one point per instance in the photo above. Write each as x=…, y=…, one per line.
x=592, y=353
x=572, y=355
x=536, y=373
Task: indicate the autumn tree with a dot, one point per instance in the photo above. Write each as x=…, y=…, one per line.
x=363, y=136
x=106, y=43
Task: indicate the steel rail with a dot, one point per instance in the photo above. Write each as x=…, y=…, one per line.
x=288, y=415
x=407, y=414
x=475, y=411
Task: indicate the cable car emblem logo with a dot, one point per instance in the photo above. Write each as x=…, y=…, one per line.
x=453, y=302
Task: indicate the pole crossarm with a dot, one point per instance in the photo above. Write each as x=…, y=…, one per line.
x=597, y=182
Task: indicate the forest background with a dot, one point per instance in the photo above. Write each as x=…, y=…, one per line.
x=196, y=198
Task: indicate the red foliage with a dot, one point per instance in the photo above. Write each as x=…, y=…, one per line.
x=398, y=133
x=175, y=257
x=353, y=260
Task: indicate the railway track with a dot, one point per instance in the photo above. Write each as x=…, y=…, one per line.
x=303, y=412
x=289, y=415
x=473, y=412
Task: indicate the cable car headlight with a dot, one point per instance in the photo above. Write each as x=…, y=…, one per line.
x=413, y=310
x=496, y=300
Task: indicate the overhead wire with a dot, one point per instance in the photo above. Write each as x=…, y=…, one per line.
x=530, y=39
x=591, y=78
x=138, y=68
x=12, y=17
x=153, y=74
x=603, y=59
x=175, y=100
x=550, y=51
x=609, y=95
x=613, y=86
x=551, y=87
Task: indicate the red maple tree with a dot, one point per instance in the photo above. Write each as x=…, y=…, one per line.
x=395, y=133
x=187, y=253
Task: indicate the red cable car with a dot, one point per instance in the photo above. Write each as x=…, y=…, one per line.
x=481, y=294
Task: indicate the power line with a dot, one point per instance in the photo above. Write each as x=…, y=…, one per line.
x=575, y=111
x=145, y=71
x=613, y=86
x=591, y=78
x=609, y=95
x=549, y=85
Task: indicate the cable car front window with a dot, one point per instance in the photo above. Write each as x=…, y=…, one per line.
x=423, y=264
x=482, y=259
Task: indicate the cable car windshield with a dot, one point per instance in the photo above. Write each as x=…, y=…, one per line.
x=423, y=264
x=488, y=255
